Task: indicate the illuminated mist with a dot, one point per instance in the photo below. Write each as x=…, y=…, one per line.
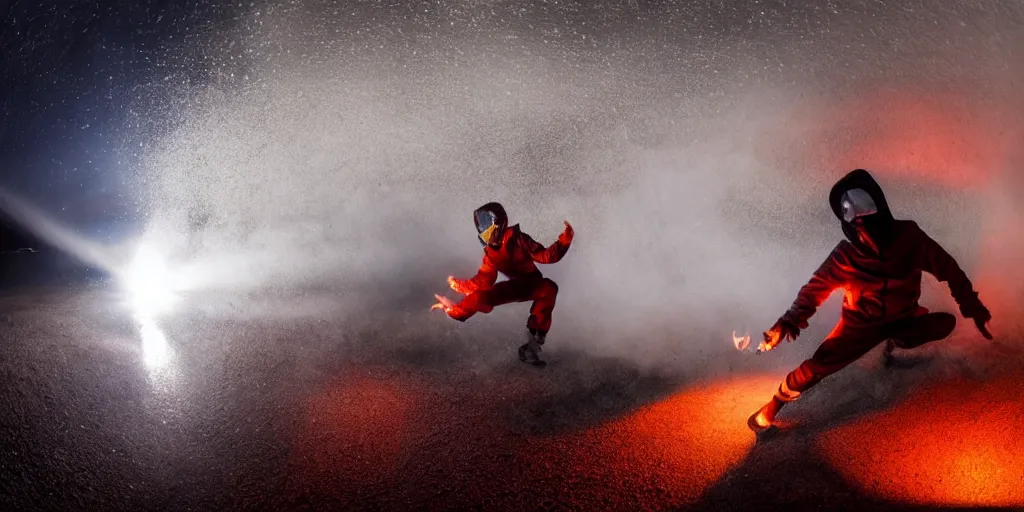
x=692, y=157
x=332, y=155
x=323, y=166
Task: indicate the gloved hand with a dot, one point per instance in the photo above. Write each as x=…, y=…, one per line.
x=567, y=234
x=981, y=316
x=784, y=329
x=458, y=285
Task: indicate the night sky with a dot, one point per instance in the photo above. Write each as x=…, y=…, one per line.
x=81, y=82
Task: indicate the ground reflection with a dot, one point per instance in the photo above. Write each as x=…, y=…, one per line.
x=157, y=355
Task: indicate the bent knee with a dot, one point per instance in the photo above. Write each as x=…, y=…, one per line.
x=945, y=323
x=548, y=287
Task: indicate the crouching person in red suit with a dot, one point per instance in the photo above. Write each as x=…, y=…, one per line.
x=879, y=266
x=515, y=254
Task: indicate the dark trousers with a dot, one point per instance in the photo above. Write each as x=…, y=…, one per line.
x=847, y=343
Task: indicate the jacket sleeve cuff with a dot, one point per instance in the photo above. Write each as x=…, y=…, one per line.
x=794, y=317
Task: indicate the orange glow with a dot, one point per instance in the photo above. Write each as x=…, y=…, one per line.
x=773, y=337
x=954, y=444
x=762, y=420
x=366, y=433
x=741, y=342
x=686, y=442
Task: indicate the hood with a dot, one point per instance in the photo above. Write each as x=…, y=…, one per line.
x=488, y=214
x=881, y=222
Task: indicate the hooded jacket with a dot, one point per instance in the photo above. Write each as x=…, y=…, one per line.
x=883, y=286
x=517, y=255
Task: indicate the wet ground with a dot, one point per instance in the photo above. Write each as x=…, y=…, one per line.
x=213, y=409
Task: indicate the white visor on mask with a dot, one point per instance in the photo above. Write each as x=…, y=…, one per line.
x=857, y=203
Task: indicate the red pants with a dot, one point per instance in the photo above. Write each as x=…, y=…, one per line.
x=846, y=344
x=541, y=290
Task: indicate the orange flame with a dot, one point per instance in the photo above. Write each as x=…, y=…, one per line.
x=771, y=339
x=741, y=342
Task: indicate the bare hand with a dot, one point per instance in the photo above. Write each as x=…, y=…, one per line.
x=443, y=303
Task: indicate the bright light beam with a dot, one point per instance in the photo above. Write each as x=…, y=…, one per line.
x=156, y=352
x=149, y=283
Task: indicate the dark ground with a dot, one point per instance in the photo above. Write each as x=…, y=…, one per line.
x=258, y=413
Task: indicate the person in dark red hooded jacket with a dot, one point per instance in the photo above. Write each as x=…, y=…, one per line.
x=515, y=254
x=879, y=267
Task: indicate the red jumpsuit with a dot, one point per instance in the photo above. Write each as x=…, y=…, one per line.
x=880, y=303
x=516, y=259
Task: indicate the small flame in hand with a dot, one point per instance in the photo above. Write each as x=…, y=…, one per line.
x=741, y=342
x=771, y=339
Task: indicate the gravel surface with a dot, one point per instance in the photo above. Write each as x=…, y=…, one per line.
x=264, y=413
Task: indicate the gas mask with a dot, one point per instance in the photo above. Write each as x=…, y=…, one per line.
x=860, y=211
x=857, y=203
x=860, y=206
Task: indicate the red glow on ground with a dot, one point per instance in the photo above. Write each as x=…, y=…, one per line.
x=685, y=443
x=952, y=444
x=516, y=441
x=357, y=426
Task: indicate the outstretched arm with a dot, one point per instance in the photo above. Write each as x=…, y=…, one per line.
x=936, y=261
x=484, y=278
x=555, y=252
x=812, y=295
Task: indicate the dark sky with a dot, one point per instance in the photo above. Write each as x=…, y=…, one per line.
x=86, y=83
x=73, y=71
x=80, y=76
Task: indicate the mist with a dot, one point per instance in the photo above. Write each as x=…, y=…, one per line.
x=336, y=154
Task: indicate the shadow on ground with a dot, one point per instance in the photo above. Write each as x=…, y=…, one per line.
x=933, y=432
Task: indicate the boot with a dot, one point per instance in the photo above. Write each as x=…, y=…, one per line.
x=528, y=352
x=887, y=358
x=764, y=418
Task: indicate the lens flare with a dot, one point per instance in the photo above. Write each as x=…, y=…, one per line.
x=149, y=283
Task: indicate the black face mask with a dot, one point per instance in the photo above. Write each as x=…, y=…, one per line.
x=876, y=228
